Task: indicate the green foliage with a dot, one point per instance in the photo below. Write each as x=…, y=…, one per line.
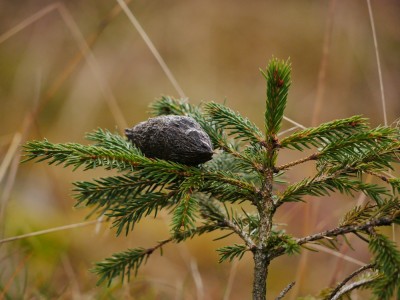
x=184, y=215
x=226, y=119
x=240, y=190
x=367, y=212
x=358, y=215
x=395, y=183
x=324, y=185
x=130, y=212
x=387, y=260
x=277, y=76
x=324, y=134
x=376, y=146
x=280, y=239
x=121, y=264
x=231, y=252
x=77, y=155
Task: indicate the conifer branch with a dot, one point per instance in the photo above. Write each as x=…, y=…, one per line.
x=211, y=212
x=227, y=119
x=285, y=290
x=365, y=227
x=323, y=185
x=383, y=221
x=130, y=212
x=377, y=175
x=393, y=181
x=231, y=252
x=360, y=144
x=347, y=289
x=369, y=149
x=111, y=190
x=121, y=264
x=76, y=155
x=311, y=157
x=180, y=236
x=336, y=290
x=324, y=134
x=241, y=233
x=225, y=177
x=108, y=140
x=387, y=260
x=184, y=215
x=359, y=214
x=278, y=79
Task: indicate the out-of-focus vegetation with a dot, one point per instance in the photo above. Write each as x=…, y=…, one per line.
x=214, y=50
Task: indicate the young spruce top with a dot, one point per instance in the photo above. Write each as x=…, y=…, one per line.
x=243, y=169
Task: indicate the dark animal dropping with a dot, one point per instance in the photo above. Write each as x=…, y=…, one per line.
x=175, y=138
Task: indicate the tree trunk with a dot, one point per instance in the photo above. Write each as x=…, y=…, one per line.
x=260, y=275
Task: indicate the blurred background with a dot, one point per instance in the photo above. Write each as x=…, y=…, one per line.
x=69, y=67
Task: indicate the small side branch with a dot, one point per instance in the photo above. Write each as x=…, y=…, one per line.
x=380, y=176
x=285, y=291
x=384, y=221
x=232, y=181
x=313, y=156
x=158, y=246
x=351, y=287
x=348, y=278
x=241, y=233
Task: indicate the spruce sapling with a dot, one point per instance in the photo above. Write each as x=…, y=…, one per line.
x=199, y=194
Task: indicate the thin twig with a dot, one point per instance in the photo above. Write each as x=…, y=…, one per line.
x=380, y=176
x=351, y=287
x=243, y=235
x=285, y=291
x=313, y=156
x=348, y=278
x=158, y=246
x=384, y=221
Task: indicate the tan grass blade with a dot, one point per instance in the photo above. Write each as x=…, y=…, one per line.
x=151, y=47
x=378, y=62
x=311, y=210
x=50, y=230
x=10, y=155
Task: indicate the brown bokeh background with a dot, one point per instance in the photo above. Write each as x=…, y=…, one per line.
x=51, y=87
